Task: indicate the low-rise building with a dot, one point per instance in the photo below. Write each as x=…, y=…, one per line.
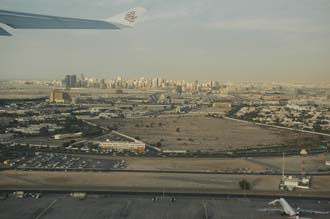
x=290, y=183
x=35, y=128
x=122, y=143
x=224, y=105
x=19, y=194
x=136, y=146
x=68, y=135
x=106, y=115
x=59, y=97
x=79, y=195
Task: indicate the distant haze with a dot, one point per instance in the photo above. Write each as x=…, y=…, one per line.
x=260, y=40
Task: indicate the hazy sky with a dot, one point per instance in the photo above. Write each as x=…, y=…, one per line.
x=268, y=40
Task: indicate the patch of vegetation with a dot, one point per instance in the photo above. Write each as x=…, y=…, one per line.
x=244, y=184
x=73, y=125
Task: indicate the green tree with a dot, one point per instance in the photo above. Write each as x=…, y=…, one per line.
x=244, y=185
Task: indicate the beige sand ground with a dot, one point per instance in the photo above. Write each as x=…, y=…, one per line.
x=122, y=179
x=205, y=133
x=149, y=180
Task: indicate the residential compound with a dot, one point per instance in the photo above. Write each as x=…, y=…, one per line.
x=311, y=118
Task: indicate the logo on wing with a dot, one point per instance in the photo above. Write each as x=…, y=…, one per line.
x=130, y=16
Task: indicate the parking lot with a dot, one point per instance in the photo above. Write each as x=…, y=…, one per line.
x=53, y=161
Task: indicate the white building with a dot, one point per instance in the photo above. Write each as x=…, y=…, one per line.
x=290, y=183
x=127, y=143
x=109, y=145
x=68, y=135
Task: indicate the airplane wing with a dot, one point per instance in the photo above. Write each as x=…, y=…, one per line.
x=270, y=210
x=3, y=32
x=281, y=210
x=313, y=211
x=19, y=20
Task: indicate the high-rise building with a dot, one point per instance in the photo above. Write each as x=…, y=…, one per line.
x=73, y=81
x=155, y=83
x=70, y=81
x=178, y=89
x=103, y=84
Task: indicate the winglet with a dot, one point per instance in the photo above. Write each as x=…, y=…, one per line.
x=127, y=18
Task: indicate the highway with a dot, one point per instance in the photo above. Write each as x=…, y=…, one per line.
x=154, y=153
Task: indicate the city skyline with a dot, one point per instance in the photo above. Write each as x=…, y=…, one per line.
x=164, y=109
x=222, y=40
x=114, y=77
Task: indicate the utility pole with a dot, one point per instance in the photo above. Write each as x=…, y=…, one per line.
x=283, y=166
x=303, y=153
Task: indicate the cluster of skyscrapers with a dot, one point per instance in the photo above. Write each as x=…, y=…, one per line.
x=72, y=81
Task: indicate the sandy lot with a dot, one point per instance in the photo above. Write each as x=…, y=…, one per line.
x=148, y=181
x=21, y=91
x=132, y=180
x=191, y=164
x=204, y=133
